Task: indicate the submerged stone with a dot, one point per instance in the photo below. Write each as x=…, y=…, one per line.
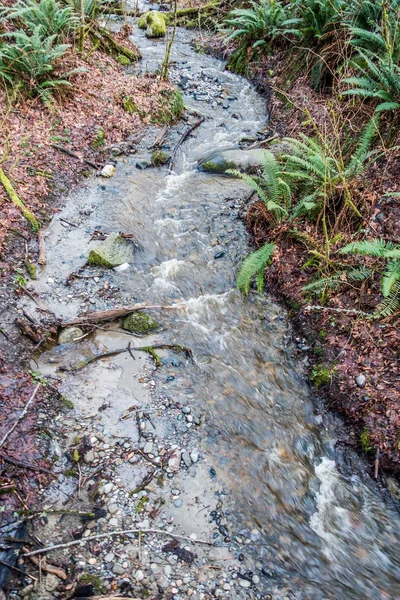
x=114, y=251
x=140, y=323
x=154, y=23
x=69, y=334
x=220, y=161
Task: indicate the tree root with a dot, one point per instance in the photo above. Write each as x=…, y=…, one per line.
x=148, y=349
x=16, y=200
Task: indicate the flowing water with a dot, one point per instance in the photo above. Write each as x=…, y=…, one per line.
x=326, y=535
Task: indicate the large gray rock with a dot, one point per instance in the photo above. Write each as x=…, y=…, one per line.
x=219, y=161
x=114, y=251
x=69, y=334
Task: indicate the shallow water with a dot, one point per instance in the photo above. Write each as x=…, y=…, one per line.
x=322, y=534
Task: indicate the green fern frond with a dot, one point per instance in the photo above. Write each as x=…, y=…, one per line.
x=390, y=277
x=252, y=266
x=375, y=247
x=391, y=304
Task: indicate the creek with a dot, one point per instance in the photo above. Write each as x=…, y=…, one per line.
x=320, y=531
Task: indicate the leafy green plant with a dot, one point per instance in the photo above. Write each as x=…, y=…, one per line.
x=20, y=278
x=30, y=61
x=270, y=186
x=254, y=266
x=390, y=281
x=47, y=17
x=365, y=440
x=262, y=23
x=322, y=375
x=377, y=62
x=38, y=377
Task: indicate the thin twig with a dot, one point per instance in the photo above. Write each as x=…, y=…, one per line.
x=21, y=416
x=101, y=536
x=18, y=570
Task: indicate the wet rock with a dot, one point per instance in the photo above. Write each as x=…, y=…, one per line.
x=89, y=457
x=148, y=447
x=220, y=161
x=139, y=575
x=108, y=171
x=186, y=459
x=219, y=255
x=69, y=334
x=178, y=502
x=109, y=557
x=159, y=158
x=118, y=569
x=114, y=251
x=113, y=508
x=186, y=410
x=174, y=461
x=140, y=323
x=194, y=456
x=154, y=23
x=361, y=380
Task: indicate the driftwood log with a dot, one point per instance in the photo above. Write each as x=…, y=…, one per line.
x=102, y=316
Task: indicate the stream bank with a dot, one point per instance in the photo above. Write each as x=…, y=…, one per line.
x=253, y=472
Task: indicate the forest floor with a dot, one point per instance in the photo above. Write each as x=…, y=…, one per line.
x=339, y=343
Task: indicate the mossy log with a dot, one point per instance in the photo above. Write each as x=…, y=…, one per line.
x=105, y=41
x=15, y=199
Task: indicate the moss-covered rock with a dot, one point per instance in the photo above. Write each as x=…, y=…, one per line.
x=159, y=158
x=140, y=323
x=114, y=251
x=123, y=60
x=221, y=161
x=69, y=334
x=155, y=24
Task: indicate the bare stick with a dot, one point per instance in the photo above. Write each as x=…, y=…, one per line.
x=101, y=536
x=18, y=570
x=18, y=463
x=115, y=313
x=21, y=416
x=73, y=155
x=160, y=139
x=188, y=131
x=42, y=250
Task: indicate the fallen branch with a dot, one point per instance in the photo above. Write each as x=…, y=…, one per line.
x=16, y=200
x=18, y=463
x=104, y=40
x=100, y=536
x=17, y=570
x=21, y=416
x=160, y=139
x=348, y=311
x=149, y=349
x=110, y=315
x=43, y=566
x=74, y=155
x=186, y=134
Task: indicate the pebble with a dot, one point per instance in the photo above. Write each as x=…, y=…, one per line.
x=361, y=381
x=108, y=171
x=118, y=569
x=139, y=575
x=255, y=579
x=113, y=508
x=148, y=447
x=186, y=459
x=108, y=487
x=168, y=570
x=109, y=557
x=186, y=410
x=178, y=502
x=174, y=461
x=194, y=456
x=244, y=583
x=113, y=522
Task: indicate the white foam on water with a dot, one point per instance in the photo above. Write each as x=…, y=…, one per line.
x=168, y=268
x=173, y=183
x=329, y=521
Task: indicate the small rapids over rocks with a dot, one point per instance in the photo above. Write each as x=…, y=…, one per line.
x=298, y=528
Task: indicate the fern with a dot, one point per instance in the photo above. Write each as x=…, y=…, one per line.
x=254, y=266
x=391, y=304
x=375, y=247
x=390, y=277
x=47, y=17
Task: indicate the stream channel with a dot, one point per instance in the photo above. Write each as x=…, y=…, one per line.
x=264, y=467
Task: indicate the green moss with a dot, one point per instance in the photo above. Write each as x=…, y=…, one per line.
x=65, y=403
x=143, y=501
x=31, y=269
x=159, y=158
x=322, y=334
x=142, y=22
x=140, y=323
x=215, y=167
x=69, y=473
x=321, y=375
x=94, y=580
x=154, y=23
x=129, y=105
x=365, y=440
x=112, y=252
x=123, y=60
x=99, y=139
